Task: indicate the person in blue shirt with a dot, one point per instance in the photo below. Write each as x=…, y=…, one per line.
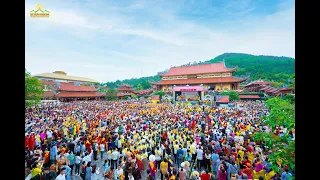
x=53, y=152
x=286, y=175
x=180, y=156
x=71, y=159
x=215, y=158
x=68, y=171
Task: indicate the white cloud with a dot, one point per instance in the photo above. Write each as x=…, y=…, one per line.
x=156, y=46
x=63, y=17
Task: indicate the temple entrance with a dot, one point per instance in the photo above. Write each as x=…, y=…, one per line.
x=233, y=86
x=211, y=87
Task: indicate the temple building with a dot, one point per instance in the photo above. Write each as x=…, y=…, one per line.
x=255, y=86
x=192, y=83
x=211, y=76
x=124, y=90
x=59, y=86
x=63, y=77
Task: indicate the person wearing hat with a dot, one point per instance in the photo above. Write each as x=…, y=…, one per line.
x=48, y=174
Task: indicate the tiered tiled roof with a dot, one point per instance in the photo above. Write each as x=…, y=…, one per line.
x=78, y=94
x=77, y=88
x=123, y=94
x=199, y=69
x=258, y=82
x=146, y=91
x=275, y=91
x=201, y=80
x=249, y=97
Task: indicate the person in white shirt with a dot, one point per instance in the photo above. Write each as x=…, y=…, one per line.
x=118, y=172
x=130, y=177
x=115, y=156
x=87, y=157
x=49, y=135
x=102, y=148
x=200, y=157
x=62, y=175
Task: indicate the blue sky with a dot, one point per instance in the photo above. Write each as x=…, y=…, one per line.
x=120, y=39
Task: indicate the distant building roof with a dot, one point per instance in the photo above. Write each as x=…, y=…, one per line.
x=286, y=89
x=77, y=88
x=198, y=69
x=78, y=94
x=265, y=88
x=249, y=97
x=260, y=82
x=201, y=80
x=123, y=94
x=156, y=97
x=60, y=75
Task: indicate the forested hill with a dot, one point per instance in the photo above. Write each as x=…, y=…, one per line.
x=269, y=68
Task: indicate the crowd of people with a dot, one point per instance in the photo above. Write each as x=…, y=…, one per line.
x=138, y=140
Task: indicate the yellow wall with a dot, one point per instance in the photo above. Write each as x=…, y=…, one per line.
x=226, y=86
x=223, y=87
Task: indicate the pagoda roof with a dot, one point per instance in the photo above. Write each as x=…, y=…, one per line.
x=124, y=85
x=249, y=97
x=78, y=94
x=65, y=87
x=125, y=89
x=260, y=82
x=123, y=94
x=265, y=88
x=201, y=80
x=271, y=90
x=198, y=69
x=286, y=89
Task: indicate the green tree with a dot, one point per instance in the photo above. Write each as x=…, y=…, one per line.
x=289, y=97
x=146, y=85
x=233, y=95
x=139, y=87
x=126, y=98
x=160, y=93
x=293, y=81
x=282, y=113
x=33, y=90
x=111, y=94
x=276, y=84
x=133, y=96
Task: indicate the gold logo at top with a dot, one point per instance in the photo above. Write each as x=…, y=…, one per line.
x=39, y=12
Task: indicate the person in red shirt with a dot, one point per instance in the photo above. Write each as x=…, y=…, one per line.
x=205, y=176
x=26, y=141
x=248, y=170
x=32, y=141
x=245, y=161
